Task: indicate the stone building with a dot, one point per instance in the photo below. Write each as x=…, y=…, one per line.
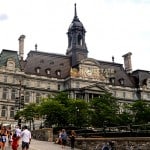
x=42, y=74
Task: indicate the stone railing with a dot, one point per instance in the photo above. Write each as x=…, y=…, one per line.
x=123, y=143
x=86, y=143
x=45, y=134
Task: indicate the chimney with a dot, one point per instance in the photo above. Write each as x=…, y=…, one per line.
x=127, y=62
x=21, y=46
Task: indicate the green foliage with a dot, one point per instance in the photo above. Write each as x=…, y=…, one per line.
x=104, y=110
x=99, y=112
x=141, y=112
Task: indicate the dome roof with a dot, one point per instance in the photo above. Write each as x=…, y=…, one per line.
x=76, y=24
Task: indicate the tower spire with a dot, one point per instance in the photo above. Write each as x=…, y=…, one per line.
x=75, y=11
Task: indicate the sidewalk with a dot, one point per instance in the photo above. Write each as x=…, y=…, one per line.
x=43, y=145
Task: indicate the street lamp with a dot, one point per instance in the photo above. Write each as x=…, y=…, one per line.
x=77, y=115
x=19, y=101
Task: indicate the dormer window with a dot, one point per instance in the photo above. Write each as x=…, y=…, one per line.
x=62, y=64
x=121, y=81
x=48, y=71
x=112, y=80
x=58, y=72
x=148, y=83
x=37, y=70
x=51, y=62
x=10, y=64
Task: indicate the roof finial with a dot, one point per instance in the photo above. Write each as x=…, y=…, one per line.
x=113, y=59
x=75, y=10
x=35, y=47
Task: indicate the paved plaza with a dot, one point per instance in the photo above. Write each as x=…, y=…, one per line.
x=43, y=145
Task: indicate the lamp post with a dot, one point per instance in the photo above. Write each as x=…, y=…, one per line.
x=77, y=115
x=19, y=102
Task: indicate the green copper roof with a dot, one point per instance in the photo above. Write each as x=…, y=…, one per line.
x=6, y=54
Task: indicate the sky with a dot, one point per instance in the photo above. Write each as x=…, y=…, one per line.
x=114, y=27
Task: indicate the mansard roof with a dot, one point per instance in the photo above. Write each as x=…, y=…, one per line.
x=47, y=61
x=140, y=76
x=120, y=73
x=6, y=54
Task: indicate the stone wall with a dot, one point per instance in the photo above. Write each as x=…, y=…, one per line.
x=123, y=143
x=119, y=143
x=45, y=134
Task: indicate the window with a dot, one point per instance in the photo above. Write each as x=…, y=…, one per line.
x=77, y=85
x=13, y=94
x=58, y=86
x=5, y=92
x=48, y=71
x=37, y=70
x=38, y=97
x=41, y=61
x=62, y=64
x=12, y=112
x=49, y=86
x=112, y=80
x=121, y=81
x=51, y=62
x=5, y=78
x=3, y=112
x=27, y=97
x=58, y=72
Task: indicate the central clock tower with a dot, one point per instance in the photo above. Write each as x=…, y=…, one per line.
x=77, y=49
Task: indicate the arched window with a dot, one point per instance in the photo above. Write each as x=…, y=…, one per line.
x=58, y=72
x=48, y=71
x=79, y=40
x=37, y=70
x=121, y=81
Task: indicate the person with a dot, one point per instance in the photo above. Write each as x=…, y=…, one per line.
x=9, y=134
x=15, y=140
x=26, y=138
x=59, y=140
x=64, y=138
x=72, y=139
x=17, y=131
x=3, y=135
x=10, y=139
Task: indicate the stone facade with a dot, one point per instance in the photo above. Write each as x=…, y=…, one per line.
x=42, y=74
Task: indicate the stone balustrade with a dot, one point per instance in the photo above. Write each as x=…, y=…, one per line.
x=85, y=143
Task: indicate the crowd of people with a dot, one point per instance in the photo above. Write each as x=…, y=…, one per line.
x=13, y=136
x=63, y=138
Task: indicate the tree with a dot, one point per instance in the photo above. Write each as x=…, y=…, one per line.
x=141, y=112
x=104, y=110
x=55, y=112
x=28, y=113
x=78, y=113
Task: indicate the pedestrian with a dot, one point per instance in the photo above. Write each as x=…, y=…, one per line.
x=3, y=135
x=26, y=138
x=58, y=139
x=10, y=139
x=15, y=142
x=72, y=139
x=64, y=138
x=17, y=131
x=9, y=134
